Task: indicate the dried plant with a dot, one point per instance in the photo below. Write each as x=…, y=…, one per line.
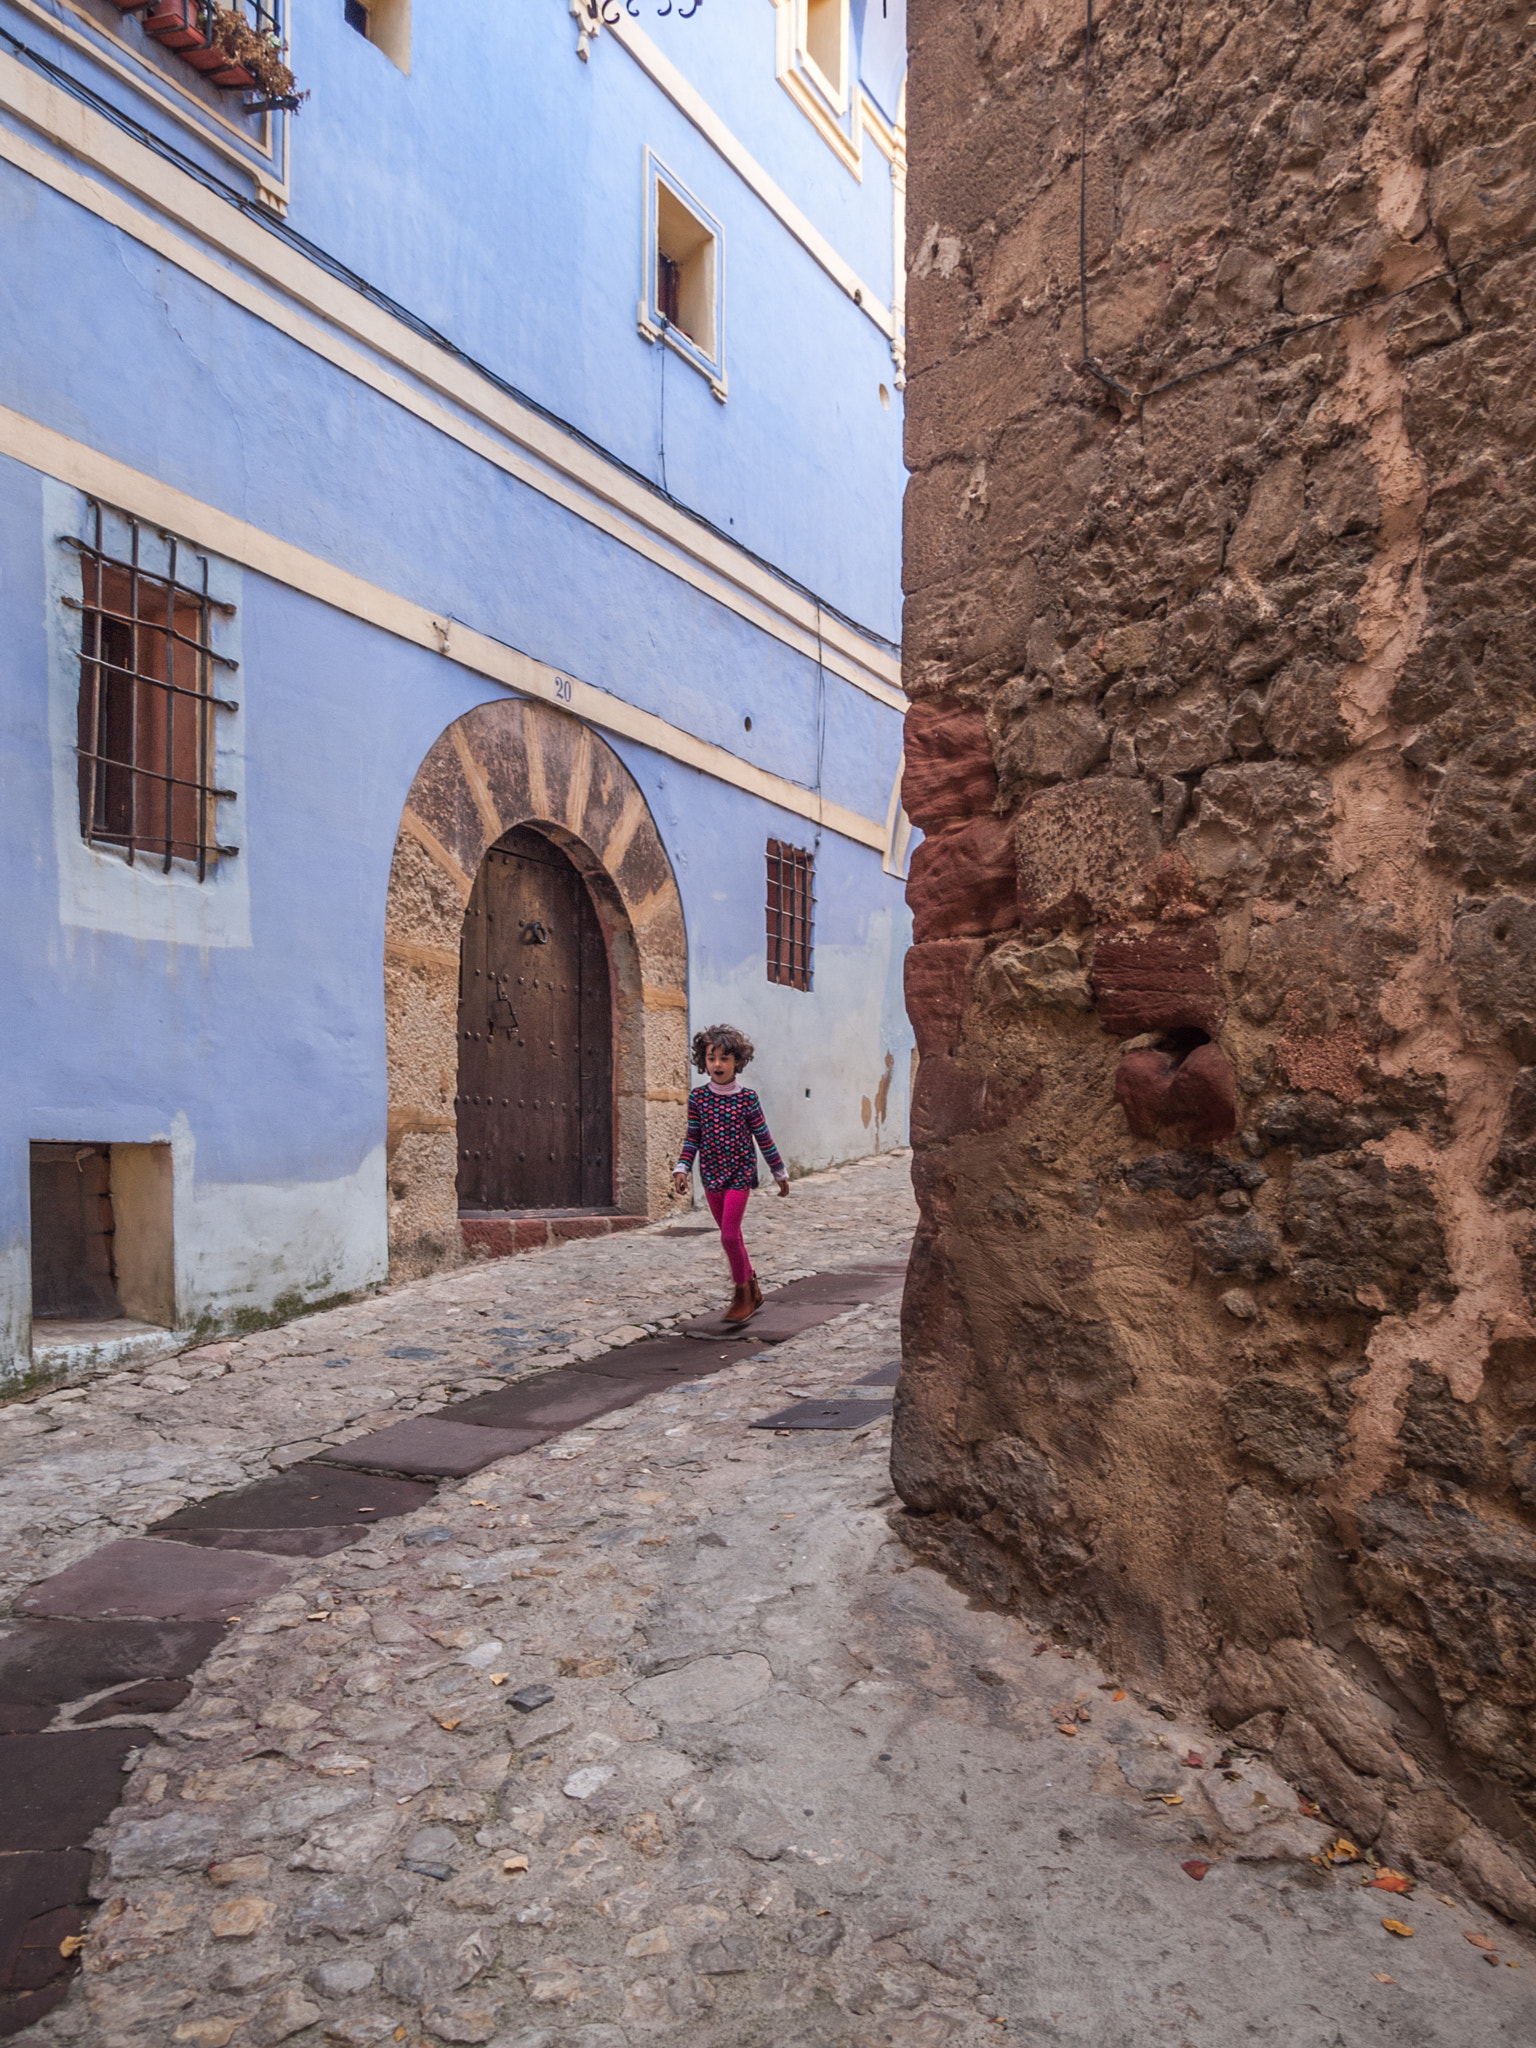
x=262, y=55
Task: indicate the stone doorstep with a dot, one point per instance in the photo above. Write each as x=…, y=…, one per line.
x=499, y=1237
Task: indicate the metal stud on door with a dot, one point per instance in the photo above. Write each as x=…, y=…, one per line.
x=534, y=1104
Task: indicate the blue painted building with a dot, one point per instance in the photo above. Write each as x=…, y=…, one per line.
x=449, y=553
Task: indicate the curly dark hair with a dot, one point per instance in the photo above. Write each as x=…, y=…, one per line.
x=728, y=1038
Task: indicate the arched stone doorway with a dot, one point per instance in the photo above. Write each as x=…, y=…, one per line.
x=503, y=766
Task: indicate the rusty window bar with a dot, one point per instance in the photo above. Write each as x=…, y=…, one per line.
x=118, y=681
x=791, y=914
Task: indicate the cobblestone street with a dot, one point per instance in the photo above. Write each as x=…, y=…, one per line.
x=656, y=1729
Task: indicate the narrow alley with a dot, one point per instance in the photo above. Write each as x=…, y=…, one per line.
x=656, y=1728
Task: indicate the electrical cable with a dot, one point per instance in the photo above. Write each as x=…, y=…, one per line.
x=253, y=210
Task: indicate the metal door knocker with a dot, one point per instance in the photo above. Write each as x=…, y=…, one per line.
x=534, y=934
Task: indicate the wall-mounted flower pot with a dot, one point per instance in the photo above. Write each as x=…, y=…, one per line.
x=233, y=77
x=176, y=24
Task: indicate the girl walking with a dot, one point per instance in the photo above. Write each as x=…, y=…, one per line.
x=724, y=1122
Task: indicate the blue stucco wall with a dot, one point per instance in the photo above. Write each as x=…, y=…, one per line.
x=496, y=192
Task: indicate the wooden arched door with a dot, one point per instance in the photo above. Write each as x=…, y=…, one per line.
x=535, y=1082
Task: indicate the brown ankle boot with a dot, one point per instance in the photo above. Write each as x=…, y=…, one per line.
x=742, y=1306
x=757, y=1292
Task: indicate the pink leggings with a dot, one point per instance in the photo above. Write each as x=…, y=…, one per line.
x=728, y=1206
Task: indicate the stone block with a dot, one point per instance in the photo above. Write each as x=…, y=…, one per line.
x=1260, y=829
x=961, y=881
x=1195, y=1096
x=1242, y=1247
x=936, y=978
x=432, y=1446
x=45, y=1664
x=154, y=1581
x=949, y=1099
x=1288, y=1426
x=1084, y=851
x=948, y=773
x=1493, y=955
x=1022, y=977
x=1158, y=980
x=1368, y=1237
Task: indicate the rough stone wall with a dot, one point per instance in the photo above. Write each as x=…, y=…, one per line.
x=1221, y=1331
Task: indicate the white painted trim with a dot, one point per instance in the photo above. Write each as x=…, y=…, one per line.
x=710, y=363
x=692, y=104
x=541, y=455
x=87, y=469
x=183, y=106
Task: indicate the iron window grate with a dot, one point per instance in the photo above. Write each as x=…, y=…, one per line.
x=147, y=743
x=791, y=914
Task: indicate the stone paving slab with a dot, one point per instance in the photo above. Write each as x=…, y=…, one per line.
x=46, y=1664
x=307, y=1495
x=56, y=1790
x=553, y=1402
x=826, y=1414
x=40, y=1891
x=771, y=1324
x=428, y=1445
x=662, y=1358
x=147, y=1580
x=148, y=1696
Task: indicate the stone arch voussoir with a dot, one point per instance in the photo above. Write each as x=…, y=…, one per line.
x=521, y=763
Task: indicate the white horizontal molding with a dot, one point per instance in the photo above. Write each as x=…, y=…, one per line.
x=102, y=476
x=523, y=443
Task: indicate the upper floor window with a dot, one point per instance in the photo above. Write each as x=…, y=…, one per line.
x=151, y=687
x=385, y=22
x=791, y=913
x=823, y=39
x=684, y=272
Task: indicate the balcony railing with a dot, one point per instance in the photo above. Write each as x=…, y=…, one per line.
x=237, y=45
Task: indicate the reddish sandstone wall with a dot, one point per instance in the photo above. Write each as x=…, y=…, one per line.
x=1220, y=1339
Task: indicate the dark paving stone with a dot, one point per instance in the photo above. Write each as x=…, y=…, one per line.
x=41, y=1893
x=825, y=1415
x=658, y=1359
x=772, y=1324
x=155, y=1581
x=56, y=1790
x=306, y=1496
x=860, y=1283
x=276, y=1542
x=413, y=1351
x=887, y=1376
x=45, y=1664
x=149, y=1696
x=552, y=1402
x=431, y=1445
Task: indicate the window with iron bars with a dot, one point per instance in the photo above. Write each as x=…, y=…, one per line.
x=791, y=913
x=147, y=740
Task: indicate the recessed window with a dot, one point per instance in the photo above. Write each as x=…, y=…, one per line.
x=791, y=914
x=385, y=22
x=102, y=1239
x=152, y=687
x=824, y=46
x=683, y=272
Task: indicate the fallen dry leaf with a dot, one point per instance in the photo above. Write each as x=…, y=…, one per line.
x=500, y=1677
x=1396, y=1927
x=512, y=1865
x=1065, y=1728
x=448, y=1726
x=1342, y=1851
x=1194, y=1761
x=479, y=1503
x=71, y=1944
x=1168, y=1798
x=1309, y=1806
x=1194, y=1868
x=1118, y=1695
x=1492, y=1959
x=1390, y=1881
x=1382, y=1977
x=1480, y=1941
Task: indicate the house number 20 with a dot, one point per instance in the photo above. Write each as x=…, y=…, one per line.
x=564, y=688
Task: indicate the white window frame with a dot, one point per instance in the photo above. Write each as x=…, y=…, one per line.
x=835, y=96
x=709, y=362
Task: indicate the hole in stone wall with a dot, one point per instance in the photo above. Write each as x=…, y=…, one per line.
x=1182, y=1040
